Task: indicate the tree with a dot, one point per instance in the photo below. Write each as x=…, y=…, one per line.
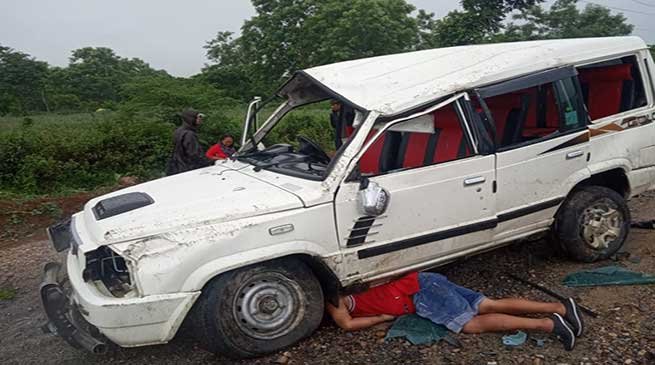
x=164, y=96
x=477, y=21
x=22, y=82
x=565, y=20
x=286, y=35
x=96, y=75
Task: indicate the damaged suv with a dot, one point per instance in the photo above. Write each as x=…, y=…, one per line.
x=450, y=152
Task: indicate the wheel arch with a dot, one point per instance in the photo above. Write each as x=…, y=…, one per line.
x=311, y=256
x=613, y=178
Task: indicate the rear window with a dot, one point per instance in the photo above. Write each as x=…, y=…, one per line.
x=612, y=87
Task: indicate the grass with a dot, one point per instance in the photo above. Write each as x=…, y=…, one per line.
x=7, y=294
x=9, y=123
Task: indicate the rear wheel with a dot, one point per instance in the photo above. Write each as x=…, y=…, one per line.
x=593, y=223
x=259, y=309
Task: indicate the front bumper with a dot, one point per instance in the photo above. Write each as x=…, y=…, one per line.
x=127, y=322
x=63, y=318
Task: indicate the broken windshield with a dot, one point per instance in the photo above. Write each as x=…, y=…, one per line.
x=301, y=143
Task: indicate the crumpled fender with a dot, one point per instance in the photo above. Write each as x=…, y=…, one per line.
x=198, y=279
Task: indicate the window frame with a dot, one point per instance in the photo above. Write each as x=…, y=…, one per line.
x=643, y=68
x=581, y=107
x=467, y=132
x=546, y=77
x=644, y=64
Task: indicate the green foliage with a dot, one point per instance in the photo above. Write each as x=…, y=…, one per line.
x=287, y=35
x=55, y=153
x=311, y=122
x=49, y=153
x=7, y=294
x=96, y=75
x=565, y=20
x=162, y=97
x=49, y=157
x=22, y=82
x=478, y=20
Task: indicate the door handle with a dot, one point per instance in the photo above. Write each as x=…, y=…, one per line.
x=574, y=154
x=474, y=180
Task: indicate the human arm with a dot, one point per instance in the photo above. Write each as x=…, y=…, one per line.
x=343, y=319
x=215, y=152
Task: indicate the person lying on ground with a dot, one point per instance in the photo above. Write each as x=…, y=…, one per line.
x=223, y=149
x=433, y=297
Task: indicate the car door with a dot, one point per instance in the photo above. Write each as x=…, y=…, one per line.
x=440, y=195
x=542, y=147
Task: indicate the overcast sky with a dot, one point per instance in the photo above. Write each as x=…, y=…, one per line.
x=170, y=34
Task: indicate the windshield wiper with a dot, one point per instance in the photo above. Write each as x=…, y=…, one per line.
x=248, y=155
x=271, y=164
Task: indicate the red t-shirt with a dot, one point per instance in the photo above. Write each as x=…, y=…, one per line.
x=216, y=151
x=393, y=298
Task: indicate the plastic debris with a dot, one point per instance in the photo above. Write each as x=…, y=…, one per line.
x=419, y=331
x=516, y=339
x=488, y=353
x=650, y=224
x=608, y=275
x=539, y=342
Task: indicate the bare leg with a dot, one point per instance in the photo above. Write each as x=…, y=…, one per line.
x=495, y=322
x=519, y=306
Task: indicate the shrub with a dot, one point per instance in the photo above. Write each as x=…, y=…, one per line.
x=53, y=153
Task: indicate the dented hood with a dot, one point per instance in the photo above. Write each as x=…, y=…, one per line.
x=210, y=195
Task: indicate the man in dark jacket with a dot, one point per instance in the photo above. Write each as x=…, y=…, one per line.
x=187, y=153
x=341, y=118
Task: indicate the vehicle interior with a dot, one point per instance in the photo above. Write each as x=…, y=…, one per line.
x=608, y=88
x=305, y=154
x=400, y=150
x=612, y=87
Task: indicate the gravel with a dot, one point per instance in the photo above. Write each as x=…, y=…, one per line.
x=624, y=333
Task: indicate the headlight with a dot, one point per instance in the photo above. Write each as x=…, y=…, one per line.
x=60, y=235
x=105, y=265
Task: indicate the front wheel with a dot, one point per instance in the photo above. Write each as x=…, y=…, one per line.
x=593, y=223
x=259, y=309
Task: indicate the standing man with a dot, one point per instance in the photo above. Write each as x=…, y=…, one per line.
x=342, y=118
x=187, y=152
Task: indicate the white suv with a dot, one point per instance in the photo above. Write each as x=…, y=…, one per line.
x=449, y=152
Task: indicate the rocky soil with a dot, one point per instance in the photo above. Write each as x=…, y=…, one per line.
x=624, y=333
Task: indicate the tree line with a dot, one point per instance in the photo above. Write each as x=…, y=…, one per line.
x=284, y=36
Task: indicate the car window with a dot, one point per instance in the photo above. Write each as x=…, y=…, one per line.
x=535, y=113
x=612, y=87
x=572, y=113
x=396, y=150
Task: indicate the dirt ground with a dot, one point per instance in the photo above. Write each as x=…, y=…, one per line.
x=624, y=333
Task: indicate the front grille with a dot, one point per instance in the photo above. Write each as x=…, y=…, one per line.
x=60, y=235
x=105, y=265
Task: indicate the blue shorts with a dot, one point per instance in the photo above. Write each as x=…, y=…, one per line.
x=445, y=303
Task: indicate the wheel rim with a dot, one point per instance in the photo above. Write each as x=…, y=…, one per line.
x=268, y=306
x=601, y=224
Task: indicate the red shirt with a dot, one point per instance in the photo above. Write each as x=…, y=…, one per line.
x=394, y=298
x=216, y=151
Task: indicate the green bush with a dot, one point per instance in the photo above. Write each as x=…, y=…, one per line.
x=47, y=158
x=48, y=153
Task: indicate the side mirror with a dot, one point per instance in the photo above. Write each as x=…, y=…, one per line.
x=373, y=199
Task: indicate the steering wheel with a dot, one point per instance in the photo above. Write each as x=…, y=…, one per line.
x=311, y=148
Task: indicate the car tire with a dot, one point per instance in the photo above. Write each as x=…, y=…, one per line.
x=592, y=224
x=258, y=309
